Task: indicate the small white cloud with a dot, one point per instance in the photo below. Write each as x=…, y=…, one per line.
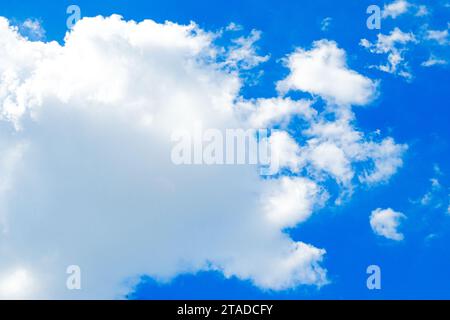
x=436, y=196
x=422, y=11
x=429, y=238
x=439, y=36
x=433, y=61
x=384, y=222
x=386, y=43
x=437, y=169
x=430, y=195
x=326, y=23
x=435, y=183
x=243, y=54
x=323, y=71
x=387, y=158
x=395, y=9
x=233, y=27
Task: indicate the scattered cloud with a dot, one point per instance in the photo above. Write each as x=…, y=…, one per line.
x=436, y=196
x=394, y=45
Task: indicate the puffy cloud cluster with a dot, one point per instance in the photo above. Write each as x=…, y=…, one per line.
x=334, y=149
x=86, y=176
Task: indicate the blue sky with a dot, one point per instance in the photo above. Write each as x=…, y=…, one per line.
x=413, y=111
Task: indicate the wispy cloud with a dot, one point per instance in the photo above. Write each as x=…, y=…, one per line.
x=394, y=45
x=326, y=23
x=434, y=61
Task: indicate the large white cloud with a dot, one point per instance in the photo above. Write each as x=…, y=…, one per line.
x=86, y=176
